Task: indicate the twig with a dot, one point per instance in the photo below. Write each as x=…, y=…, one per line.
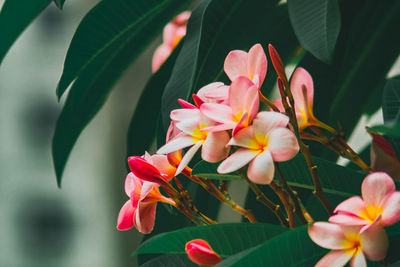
x=285, y=201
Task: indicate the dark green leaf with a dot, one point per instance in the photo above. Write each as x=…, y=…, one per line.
x=225, y=239
x=216, y=28
x=209, y=170
x=108, y=39
x=142, y=127
x=343, y=89
x=59, y=3
x=14, y=18
x=170, y=261
x=292, y=248
x=394, y=238
x=317, y=25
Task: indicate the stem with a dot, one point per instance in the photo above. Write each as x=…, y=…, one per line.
x=225, y=198
x=284, y=199
x=298, y=209
x=267, y=101
x=304, y=149
x=263, y=199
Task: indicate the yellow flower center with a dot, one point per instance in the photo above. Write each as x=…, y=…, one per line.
x=371, y=212
x=352, y=243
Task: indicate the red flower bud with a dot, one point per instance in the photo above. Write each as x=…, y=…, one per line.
x=200, y=252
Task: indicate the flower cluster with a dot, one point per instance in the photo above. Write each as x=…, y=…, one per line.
x=356, y=230
x=226, y=118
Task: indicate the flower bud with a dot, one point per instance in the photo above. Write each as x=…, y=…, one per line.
x=200, y=252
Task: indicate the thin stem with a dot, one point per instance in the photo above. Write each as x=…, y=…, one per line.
x=268, y=203
x=298, y=209
x=214, y=191
x=268, y=102
x=284, y=199
x=304, y=149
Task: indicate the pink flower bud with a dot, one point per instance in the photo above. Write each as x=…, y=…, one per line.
x=200, y=252
x=144, y=170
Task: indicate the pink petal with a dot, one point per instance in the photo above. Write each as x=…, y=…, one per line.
x=347, y=219
x=186, y=105
x=210, y=90
x=253, y=100
x=125, y=217
x=375, y=187
x=358, y=260
x=236, y=64
x=243, y=123
x=184, y=114
x=187, y=157
x=218, y=112
x=219, y=127
x=327, y=235
x=335, y=258
x=132, y=183
x=237, y=160
x=279, y=105
x=179, y=142
x=182, y=18
x=220, y=93
x=257, y=63
x=169, y=34
x=237, y=94
x=160, y=55
x=391, y=208
x=282, y=144
x=162, y=164
x=146, y=189
x=145, y=217
x=265, y=121
x=172, y=132
x=144, y=170
x=200, y=252
x=244, y=138
x=299, y=79
x=189, y=127
x=375, y=243
x=354, y=205
x=383, y=157
x=261, y=169
x=215, y=147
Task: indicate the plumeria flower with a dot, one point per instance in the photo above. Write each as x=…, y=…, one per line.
x=252, y=65
x=201, y=253
x=302, y=88
x=262, y=143
x=140, y=210
x=243, y=107
x=379, y=205
x=172, y=35
x=191, y=122
x=348, y=244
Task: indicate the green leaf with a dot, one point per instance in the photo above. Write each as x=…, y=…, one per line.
x=344, y=89
x=316, y=24
x=170, y=261
x=216, y=28
x=226, y=239
x=209, y=170
x=14, y=18
x=335, y=179
x=59, y=3
x=142, y=128
x=292, y=248
x=108, y=39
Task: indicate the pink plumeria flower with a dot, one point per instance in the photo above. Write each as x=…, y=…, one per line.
x=348, y=244
x=243, y=107
x=201, y=253
x=172, y=35
x=191, y=122
x=302, y=88
x=262, y=143
x=252, y=65
x=379, y=205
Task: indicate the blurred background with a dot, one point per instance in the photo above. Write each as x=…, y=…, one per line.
x=40, y=224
